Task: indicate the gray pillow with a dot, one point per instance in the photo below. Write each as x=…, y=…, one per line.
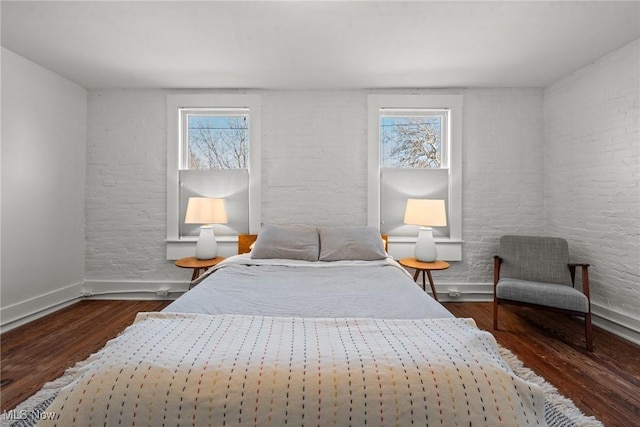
x=351, y=243
x=299, y=242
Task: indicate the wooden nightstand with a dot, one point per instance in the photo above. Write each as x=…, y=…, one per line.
x=197, y=264
x=425, y=267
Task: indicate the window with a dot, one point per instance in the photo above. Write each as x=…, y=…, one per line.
x=214, y=162
x=415, y=152
x=214, y=139
x=413, y=138
x=213, y=151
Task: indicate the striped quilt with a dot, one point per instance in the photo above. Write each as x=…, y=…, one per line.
x=172, y=369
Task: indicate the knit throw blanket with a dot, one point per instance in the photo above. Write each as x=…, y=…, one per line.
x=193, y=369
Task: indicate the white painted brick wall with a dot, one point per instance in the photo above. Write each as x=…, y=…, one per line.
x=501, y=173
x=125, y=203
x=592, y=173
x=314, y=160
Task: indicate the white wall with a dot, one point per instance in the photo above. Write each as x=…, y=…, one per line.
x=314, y=157
x=592, y=176
x=502, y=191
x=314, y=170
x=126, y=186
x=43, y=177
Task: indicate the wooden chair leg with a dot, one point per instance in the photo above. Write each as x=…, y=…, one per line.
x=495, y=314
x=588, y=331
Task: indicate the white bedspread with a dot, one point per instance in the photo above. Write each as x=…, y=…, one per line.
x=186, y=369
x=269, y=287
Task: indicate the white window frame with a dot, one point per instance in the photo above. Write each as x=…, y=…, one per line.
x=448, y=248
x=178, y=247
x=424, y=112
x=185, y=113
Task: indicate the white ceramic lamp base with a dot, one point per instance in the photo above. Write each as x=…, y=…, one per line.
x=425, y=250
x=207, y=246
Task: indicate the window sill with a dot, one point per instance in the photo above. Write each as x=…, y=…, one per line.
x=186, y=247
x=399, y=247
x=448, y=249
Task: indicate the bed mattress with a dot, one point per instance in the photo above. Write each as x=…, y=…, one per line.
x=278, y=287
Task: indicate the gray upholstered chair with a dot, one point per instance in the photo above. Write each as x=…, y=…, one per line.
x=536, y=272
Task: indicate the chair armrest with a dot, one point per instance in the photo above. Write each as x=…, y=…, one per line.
x=585, y=276
x=497, y=261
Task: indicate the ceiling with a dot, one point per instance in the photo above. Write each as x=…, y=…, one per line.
x=316, y=44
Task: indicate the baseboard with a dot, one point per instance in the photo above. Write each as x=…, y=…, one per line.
x=23, y=312
x=618, y=324
x=148, y=290
x=34, y=308
x=621, y=325
x=463, y=292
x=134, y=289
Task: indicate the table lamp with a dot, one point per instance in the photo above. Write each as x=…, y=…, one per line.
x=426, y=213
x=206, y=210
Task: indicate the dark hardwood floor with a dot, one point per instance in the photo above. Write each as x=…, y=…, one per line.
x=42, y=350
x=605, y=383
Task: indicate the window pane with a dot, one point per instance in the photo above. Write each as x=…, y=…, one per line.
x=217, y=142
x=411, y=142
x=230, y=185
x=398, y=185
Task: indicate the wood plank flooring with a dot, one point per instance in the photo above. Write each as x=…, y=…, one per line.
x=42, y=350
x=605, y=383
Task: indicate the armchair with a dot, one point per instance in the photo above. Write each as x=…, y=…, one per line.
x=535, y=272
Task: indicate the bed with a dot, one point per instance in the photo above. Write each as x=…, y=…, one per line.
x=311, y=326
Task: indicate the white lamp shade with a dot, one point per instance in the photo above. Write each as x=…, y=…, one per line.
x=427, y=213
x=205, y=210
